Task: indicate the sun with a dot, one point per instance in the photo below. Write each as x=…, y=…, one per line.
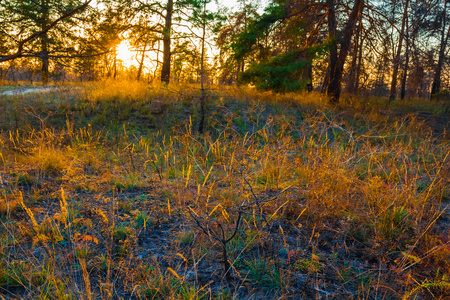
x=125, y=54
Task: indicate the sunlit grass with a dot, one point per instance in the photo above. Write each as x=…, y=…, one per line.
x=356, y=194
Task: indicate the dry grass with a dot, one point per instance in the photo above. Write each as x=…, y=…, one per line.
x=123, y=199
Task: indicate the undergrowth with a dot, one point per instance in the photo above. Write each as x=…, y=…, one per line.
x=108, y=191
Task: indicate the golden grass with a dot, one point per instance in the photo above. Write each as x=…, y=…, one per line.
x=354, y=195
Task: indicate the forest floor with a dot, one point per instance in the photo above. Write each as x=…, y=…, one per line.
x=108, y=191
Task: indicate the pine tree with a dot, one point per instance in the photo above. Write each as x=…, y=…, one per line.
x=42, y=29
x=281, y=44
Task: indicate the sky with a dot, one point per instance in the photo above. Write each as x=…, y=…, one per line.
x=233, y=5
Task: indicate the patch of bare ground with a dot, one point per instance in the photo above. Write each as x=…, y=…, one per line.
x=29, y=90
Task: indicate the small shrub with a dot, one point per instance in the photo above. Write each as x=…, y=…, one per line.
x=8, y=202
x=308, y=265
x=142, y=219
x=122, y=232
x=186, y=238
x=23, y=178
x=264, y=274
x=50, y=161
x=126, y=206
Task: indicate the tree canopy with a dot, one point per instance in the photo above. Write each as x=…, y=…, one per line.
x=390, y=48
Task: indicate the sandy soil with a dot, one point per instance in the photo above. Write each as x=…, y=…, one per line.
x=28, y=91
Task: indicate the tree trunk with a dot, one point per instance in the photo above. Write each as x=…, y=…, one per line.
x=332, y=28
x=44, y=42
x=157, y=62
x=226, y=263
x=115, y=63
x=353, y=66
x=393, y=90
x=405, y=72
x=141, y=63
x=334, y=86
x=324, y=86
x=436, y=86
x=406, y=65
x=107, y=66
x=44, y=59
x=351, y=84
x=165, y=71
x=358, y=69
x=310, y=85
x=201, y=126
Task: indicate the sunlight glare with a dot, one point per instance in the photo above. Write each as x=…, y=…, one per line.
x=125, y=54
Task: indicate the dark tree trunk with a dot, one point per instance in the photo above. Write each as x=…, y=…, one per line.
x=115, y=64
x=324, y=87
x=393, y=90
x=332, y=28
x=157, y=62
x=44, y=42
x=358, y=69
x=226, y=263
x=44, y=59
x=165, y=71
x=352, y=75
x=141, y=63
x=334, y=86
x=107, y=66
x=309, y=85
x=201, y=126
x=436, y=86
x=406, y=65
x=405, y=73
x=351, y=84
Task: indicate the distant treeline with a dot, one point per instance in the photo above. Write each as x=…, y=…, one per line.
x=386, y=48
